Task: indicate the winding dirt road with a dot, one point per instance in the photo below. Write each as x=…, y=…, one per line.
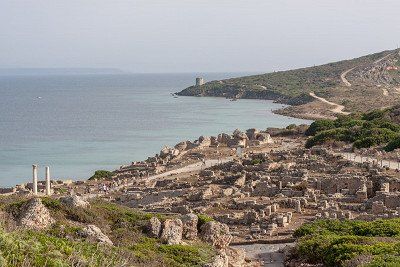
x=337, y=108
x=343, y=77
x=382, y=58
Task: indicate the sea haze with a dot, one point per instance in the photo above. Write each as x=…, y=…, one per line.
x=77, y=124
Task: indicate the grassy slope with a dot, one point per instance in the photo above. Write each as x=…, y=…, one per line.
x=288, y=86
x=379, y=127
x=338, y=243
x=62, y=246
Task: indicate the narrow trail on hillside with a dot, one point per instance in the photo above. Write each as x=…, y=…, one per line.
x=343, y=77
x=337, y=108
x=382, y=58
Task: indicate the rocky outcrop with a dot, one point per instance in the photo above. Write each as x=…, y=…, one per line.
x=189, y=226
x=236, y=257
x=154, y=227
x=229, y=257
x=168, y=152
x=239, y=135
x=93, y=232
x=217, y=234
x=74, y=201
x=35, y=215
x=204, y=141
x=185, y=145
x=172, y=232
x=221, y=260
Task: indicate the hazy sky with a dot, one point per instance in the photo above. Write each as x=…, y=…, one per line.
x=193, y=35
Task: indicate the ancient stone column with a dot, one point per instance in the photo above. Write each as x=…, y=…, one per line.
x=268, y=211
x=280, y=185
x=297, y=205
x=34, y=179
x=48, y=188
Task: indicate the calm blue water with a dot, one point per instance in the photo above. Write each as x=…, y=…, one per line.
x=84, y=123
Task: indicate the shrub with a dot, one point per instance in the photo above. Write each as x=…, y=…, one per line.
x=365, y=142
x=202, y=219
x=333, y=242
x=318, y=126
x=101, y=174
x=181, y=255
x=363, y=131
x=338, y=134
x=394, y=144
x=255, y=161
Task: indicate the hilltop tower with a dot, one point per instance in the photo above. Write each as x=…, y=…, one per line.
x=199, y=81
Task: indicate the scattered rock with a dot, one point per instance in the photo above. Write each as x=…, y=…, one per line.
x=35, y=215
x=154, y=227
x=227, y=191
x=189, y=226
x=221, y=260
x=169, y=152
x=204, y=141
x=172, y=232
x=236, y=257
x=217, y=234
x=74, y=201
x=240, y=182
x=93, y=232
x=207, y=173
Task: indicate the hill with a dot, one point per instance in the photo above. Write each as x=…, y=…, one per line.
x=360, y=84
x=70, y=231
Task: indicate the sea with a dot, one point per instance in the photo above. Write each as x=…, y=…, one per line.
x=77, y=124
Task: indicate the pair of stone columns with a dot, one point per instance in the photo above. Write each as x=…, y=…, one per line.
x=35, y=180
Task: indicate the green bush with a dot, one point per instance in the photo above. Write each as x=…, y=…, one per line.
x=333, y=242
x=202, y=219
x=365, y=142
x=365, y=130
x=32, y=248
x=338, y=134
x=255, y=161
x=318, y=126
x=181, y=255
x=392, y=145
x=101, y=174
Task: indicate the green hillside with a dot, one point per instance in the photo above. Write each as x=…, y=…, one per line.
x=285, y=84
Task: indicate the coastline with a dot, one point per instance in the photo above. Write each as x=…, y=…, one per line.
x=313, y=110
x=68, y=181
x=112, y=130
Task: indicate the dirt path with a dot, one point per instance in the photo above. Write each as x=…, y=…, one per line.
x=268, y=255
x=343, y=77
x=360, y=159
x=382, y=58
x=337, y=108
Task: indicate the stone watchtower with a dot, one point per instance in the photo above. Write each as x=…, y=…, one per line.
x=199, y=81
